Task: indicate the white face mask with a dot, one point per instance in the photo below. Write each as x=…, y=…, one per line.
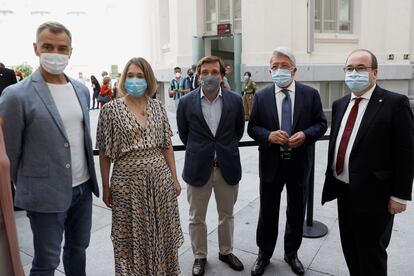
x=177, y=75
x=18, y=78
x=54, y=64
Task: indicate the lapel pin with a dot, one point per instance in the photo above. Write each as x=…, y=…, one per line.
x=380, y=100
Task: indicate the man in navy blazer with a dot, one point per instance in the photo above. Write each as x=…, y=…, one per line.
x=286, y=120
x=210, y=124
x=47, y=138
x=371, y=167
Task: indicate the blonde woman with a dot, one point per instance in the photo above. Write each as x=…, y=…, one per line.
x=134, y=134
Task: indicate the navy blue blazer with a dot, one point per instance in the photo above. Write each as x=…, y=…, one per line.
x=381, y=163
x=308, y=117
x=201, y=144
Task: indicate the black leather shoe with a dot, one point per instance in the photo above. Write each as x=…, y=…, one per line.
x=232, y=261
x=199, y=267
x=259, y=265
x=295, y=264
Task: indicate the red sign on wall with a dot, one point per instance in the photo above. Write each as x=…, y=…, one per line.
x=223, y=29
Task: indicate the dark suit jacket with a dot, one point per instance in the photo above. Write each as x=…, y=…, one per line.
x=194, y=82
x=381, y=163
x=7, y=77
x=201, y=143
x=307, y=117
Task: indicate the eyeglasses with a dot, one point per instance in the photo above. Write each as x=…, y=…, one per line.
x=359, y=69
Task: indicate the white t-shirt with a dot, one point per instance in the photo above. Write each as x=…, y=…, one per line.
x=71, y=114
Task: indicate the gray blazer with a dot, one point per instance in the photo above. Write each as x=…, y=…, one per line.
x=37, y=145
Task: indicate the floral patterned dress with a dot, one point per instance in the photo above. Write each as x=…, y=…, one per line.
x=146, y=230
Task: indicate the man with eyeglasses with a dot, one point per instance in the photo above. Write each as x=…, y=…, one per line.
x=286, y=120
x=210, y=123
x=370, y=164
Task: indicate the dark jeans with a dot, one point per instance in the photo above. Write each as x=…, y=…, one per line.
x=48, y=229
x=94, y=99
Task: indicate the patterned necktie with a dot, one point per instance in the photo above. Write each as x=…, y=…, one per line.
x=340, y=159
x=286, y=122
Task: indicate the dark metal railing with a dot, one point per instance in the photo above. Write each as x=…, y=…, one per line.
x=311, y=227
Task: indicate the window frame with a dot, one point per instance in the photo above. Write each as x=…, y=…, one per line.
x=231, y=19
x=322, y=20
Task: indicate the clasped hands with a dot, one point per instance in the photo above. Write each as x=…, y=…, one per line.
x=282, y=138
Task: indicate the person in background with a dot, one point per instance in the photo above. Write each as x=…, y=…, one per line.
x=103, y=75
x=96, y=88
x=7, y=77
x=370, y=166
x=185, y=85
x=105, y=94
x=134, y=134
x=81, y=79
x=175, y=86
x=19, y=75
x=249, y=89
x=194, y=77
x=228, y=81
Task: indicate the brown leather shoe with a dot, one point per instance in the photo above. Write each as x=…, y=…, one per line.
x=199, y=267
x=232, y=261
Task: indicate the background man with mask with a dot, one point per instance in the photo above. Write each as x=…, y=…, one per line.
x=370, y=164
x=47, y=137
x=286, y=120
x=175, y=86
x=210, y=123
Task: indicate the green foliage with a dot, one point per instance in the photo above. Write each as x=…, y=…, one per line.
x=26, y=69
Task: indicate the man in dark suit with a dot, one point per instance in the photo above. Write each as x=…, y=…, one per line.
x=286, y=120
x=370, y=164
x=210, y=124
x=194, y=78
x=7, y=77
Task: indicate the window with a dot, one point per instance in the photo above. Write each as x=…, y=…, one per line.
x=331, y=91
x=222, y=12
x=211, y=15
x=333, y=16
x=237, y=15
x=164, y=10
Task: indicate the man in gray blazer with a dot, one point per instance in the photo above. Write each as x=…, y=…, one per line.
x=47, y=137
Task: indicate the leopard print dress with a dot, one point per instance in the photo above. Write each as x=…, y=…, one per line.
x=146, y=230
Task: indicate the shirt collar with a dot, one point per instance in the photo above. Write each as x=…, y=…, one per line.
x=367, y=95
x=291, y=87
x=203, y=95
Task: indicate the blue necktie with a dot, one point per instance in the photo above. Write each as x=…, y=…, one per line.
x=286, y=122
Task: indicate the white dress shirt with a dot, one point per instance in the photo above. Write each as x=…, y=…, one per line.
x=344, y=176
x=212, y=110
x=279, y=99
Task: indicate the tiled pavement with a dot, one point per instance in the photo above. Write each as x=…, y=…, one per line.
x=322, y=256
